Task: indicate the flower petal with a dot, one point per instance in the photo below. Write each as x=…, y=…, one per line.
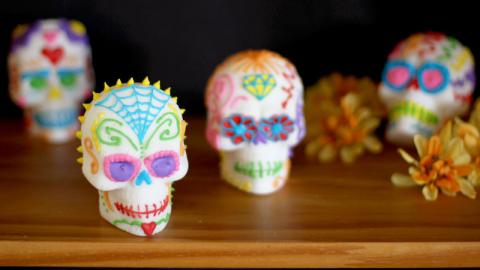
x=430, y=192
x=370, y=124
x=373, y=144
x=402, y=180
x=454, y=148
x=347, y=154
x=473, y=178
x=327, y=153
x=448, y=192
x=351, y=101
x=420, y=144
x=363, y=113
x=465, y=128
x=434, y=147
x=406, y=156
x=462, y=159
x=467, y=188
x=464, y=170
x=312, y=148
x=445, y=133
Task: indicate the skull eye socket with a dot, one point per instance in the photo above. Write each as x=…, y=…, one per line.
x=38, y=82
x=433, y=78
x=239, y=128
x=277, y=128
x=68, y=77
x=68, y=80
x=121, y=167
x=397, y=75
x=37, y=79
x=162, y=164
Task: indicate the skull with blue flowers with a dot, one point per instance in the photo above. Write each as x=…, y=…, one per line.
x=133, y=149
x=255, y=116
x=428, y=79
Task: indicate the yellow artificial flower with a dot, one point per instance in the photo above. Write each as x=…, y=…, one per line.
x=342, y=114
x=475, y=115
x=444, y=164
x=471, y=139
x=346, y=130
x=332, y=88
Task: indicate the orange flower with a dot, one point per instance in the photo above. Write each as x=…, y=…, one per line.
x=347, y=130
x=444, y=165
x=342, y=114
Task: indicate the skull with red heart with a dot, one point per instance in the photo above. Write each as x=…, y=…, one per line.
x=50, y=74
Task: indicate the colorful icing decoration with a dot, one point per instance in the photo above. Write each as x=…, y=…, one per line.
x=428, y=79
x=259, y=85
x=255, y=116
x=50, y=73
x=139, y=130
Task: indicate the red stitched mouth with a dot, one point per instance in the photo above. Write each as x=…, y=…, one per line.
x=142, y=211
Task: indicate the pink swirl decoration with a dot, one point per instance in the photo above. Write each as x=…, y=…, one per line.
x=219, y=96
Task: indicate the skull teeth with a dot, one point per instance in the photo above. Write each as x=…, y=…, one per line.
x=144, y=211
x=414, y=110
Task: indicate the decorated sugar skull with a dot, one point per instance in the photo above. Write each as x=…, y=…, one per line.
x=132, y=144
x=50, y=74
x=428, y=79
x=255, y=117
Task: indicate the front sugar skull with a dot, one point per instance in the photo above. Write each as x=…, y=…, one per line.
x=133, y=149
x=428, y=79
x=50, y=74
x=255, y=116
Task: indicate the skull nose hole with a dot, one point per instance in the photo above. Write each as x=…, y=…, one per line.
x=414, y=84
x=143, y=177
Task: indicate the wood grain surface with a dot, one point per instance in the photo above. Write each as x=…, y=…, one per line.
x=330, y=215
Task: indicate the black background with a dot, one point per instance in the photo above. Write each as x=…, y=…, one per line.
x=180, y=42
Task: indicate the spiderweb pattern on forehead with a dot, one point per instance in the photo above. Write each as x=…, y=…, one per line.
x=137, y=105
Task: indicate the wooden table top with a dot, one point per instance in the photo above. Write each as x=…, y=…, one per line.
x=329, y=215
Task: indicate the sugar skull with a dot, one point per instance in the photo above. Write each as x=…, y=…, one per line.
x=132, y=140
x=50, y=74
x=428, y=79
x=255, y=116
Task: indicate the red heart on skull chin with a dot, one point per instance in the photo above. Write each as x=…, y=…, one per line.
x=54, y=55
x=148, y=228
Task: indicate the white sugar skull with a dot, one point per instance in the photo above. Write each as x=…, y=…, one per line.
x=50, y=74
x=255, y=116
x=133, y=149
x=428, y=79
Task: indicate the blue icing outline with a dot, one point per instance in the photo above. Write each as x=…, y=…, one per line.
x=398, y=63
x=137, y=118
x=442, y=69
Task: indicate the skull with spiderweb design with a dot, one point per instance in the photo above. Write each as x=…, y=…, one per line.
x=255, y=116
x=428, y=79
x=132, y=140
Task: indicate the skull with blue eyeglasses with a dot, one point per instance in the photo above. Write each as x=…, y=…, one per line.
x=429, y=78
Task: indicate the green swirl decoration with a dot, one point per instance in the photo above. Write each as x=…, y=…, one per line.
x=168, y=127
x=138, y=223
x=108, y=134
